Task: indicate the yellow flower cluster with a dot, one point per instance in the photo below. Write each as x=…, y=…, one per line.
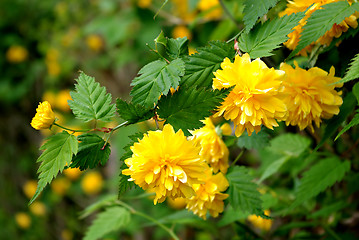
x=263, y=96
x=44, y=116
x=209, y=196
x=213, y=149
x=170, y=165
x=295, y=6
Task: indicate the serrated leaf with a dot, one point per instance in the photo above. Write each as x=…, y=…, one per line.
x=254, y=9
x=345, y=109
x=112, y=219
x=356, y=91
x=177, y=47
x=255, y=141
x=263, y=39
x=319, y=177
x=186, y=107
x=352, y=71
x=91, y=152
x=91, y=101
x=133, y=113
x=58, y=152
x=155, y=79
x=353, y=122
x=289, y=144
x=322, y=20
x=243, y=193
x=200, y=66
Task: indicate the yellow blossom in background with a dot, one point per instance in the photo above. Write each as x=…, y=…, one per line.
x=66, y=234
x=255, y=98
x=211, y=7
x=61, y=100
x=44, y=116
x=72, y=173
x=226, y=129
x=144, y=3
x=181, y=31
x=261, y=223
x=191, y=50
x=166, y=163
x=38, y=208
x=310, y=95
x=94, y=42
x=209, y=196
x=23, y=220
x=92, y=183
x=52, y=64
x=50, y=97
x=16, y=54
x=213, y=149
x=60, y=185
x=177, y=203
x=182, y=10
x=29, y=188
x=296, y=6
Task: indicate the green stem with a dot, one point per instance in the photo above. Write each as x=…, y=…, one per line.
x=158, y=53
x=69, y=129
x=237, y=158
x=144, y=195
x=225, y=9
x=133, y=211
x=112, y=130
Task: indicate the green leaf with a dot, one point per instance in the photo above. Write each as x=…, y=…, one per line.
x=322, y=20
x=253, y=9
x=329, y=209
x=133, y=113
x=200, y=66
x=356, y=91
x=90, y=101
x=91, y=152
x=186, y=107
x=255, y=141
x=243, y=193
x=353, y=122
x=156, y=78
x=177, y=47
x=347, y=108
x=273, y=168
x=263, y=39
x=289, y=144
x=230, y=215
x=58, y=152
x=103, y=202
x=112, y=219
x=161, y=39
x=319, y=177
x=352, y=71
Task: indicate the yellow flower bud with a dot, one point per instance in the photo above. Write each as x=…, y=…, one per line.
x=60, y=185
x=38, y=208
x=29, y=188
x=92, y=183
x=226, y=129
x=16, y=54
x=94, y=42
x=72, y=173
x=44, y=116
x=181, y=31
x=23, y=220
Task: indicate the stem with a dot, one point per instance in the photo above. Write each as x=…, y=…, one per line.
x=69, y=129
x=225, y=9
x=237, y=158
x=236, y=36
x=153, y=50
x=112, y=130
x=133, y=211
x=331, y=232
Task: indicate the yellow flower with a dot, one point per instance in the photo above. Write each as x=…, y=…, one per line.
x=72, y=173
x=60, y=185
x=191, y=50
x=144, y=3
x=181, y=9
x=16, y=54
x=50, y=97
x=53, y=68
x=94, y=42
x=296, y=6
x=44, y=116
x=61, y=100
x=181, y=31
x=310, y=95
x=92, y=183
x=66, y=234
x=29, y=188
x=166, y=163
x=177, y=203
x=211, y=7
x=255, y=98
x=209, y=196
x=213, y=149
x=259, y=222
x=38, y=208
x=226, y=129
x=23, y=220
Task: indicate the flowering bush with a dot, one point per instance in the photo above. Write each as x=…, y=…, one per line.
x=246, y=117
